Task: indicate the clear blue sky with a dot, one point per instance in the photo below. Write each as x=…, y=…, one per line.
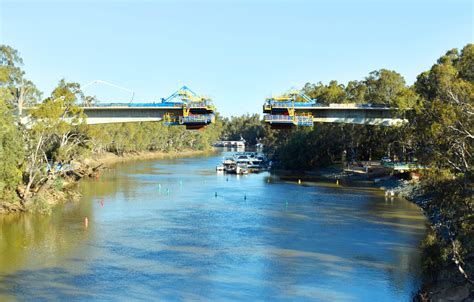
x=237, y=52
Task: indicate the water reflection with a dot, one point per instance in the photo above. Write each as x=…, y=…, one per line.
x=157, y=231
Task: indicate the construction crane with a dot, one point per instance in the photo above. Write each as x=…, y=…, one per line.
x=111, y=85
x=281, y=109
x=185, y=95
x=293, y=95
x=183, y=107
x=197, y=111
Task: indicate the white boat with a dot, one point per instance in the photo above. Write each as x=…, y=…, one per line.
x=228, y=161
x=243, y=163
x=242, y=159
x=241, y=169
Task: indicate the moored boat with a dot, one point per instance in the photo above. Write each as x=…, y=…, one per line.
x=243, y=163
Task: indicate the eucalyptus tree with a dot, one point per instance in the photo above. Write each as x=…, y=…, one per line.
x=443, y=128
x=444, y=121
x=11, y=155
x=57, y=135
x=15, y=89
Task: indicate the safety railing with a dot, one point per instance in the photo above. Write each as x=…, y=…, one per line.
x=277, y=104
x=277, y=118
x=281, y=104
x=203, y=104
x=306, y=121
x=166, y=105
x=203, y=118
x=300, y=120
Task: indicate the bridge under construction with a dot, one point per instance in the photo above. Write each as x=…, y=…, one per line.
x=297, y=109
x=185, y=107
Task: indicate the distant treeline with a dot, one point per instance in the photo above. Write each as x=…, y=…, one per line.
x=150, y=136
x=249, y=127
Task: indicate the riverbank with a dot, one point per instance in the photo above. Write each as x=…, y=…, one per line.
x=333, y=173
x=62, y=189
x=443, y=278
x=108, y=159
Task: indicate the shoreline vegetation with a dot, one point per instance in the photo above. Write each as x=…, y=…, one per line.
x=64, y=189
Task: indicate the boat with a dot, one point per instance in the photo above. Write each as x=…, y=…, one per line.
x=242, y=159
x=241, y=169
x=243, y=163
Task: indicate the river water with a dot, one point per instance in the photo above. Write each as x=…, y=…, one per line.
x=157, y=231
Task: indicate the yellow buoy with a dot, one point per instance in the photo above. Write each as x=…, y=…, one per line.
x=337, y=181
x=299, y=181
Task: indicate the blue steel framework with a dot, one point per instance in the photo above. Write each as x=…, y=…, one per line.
x=280, y=110
x=196, y=111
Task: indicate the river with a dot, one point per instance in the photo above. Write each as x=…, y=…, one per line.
x=157, y=231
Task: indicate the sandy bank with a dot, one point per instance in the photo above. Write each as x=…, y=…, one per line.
x=108, y=159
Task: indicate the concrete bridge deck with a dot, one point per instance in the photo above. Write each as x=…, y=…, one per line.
x=127, y=114
x=304, y=114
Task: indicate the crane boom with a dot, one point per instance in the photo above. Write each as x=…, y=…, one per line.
x=111, y=85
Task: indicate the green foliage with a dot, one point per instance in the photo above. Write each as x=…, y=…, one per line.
x=451, y=245
x=326, y=94
x=380, y=87
x=307, y=149
x=10, y=73
x=249, y=127
x=431, y=253
x=328, y=143
x=39, y=203
x=56, y=135
x=11, y=155
x=356, y=92
x=443, y=122
x=15, y=90
x=388, y=87
x=58, y=184
x=151, y=136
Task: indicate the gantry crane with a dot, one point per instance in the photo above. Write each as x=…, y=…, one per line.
x=183, y=107
x=197, y=111
x=280, y=110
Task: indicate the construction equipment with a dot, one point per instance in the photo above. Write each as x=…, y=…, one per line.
x=197, y=111
x=280, y=110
